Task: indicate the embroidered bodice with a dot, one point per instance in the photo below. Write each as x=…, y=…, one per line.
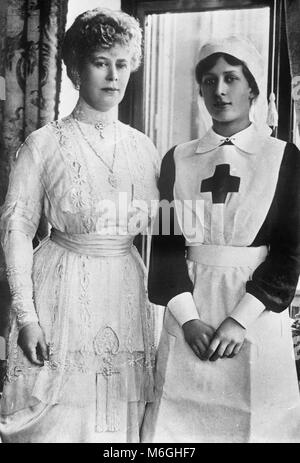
x=57, y=171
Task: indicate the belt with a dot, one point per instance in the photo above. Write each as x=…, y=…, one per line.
x=227, y=256
x=93, y=244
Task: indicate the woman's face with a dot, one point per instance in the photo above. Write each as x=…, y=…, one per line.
x=227, y=94
x=104, y=77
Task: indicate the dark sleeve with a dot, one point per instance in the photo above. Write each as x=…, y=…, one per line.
x=168, y=274
x=274, y=282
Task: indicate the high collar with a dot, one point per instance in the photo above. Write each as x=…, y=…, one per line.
x=248, y=140
x=83, y=112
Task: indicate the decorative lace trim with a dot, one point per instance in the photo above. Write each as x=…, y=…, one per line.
x=85, y=301
x=22, y=301
x=107, y=365
x=80, y=195
x=137, y=165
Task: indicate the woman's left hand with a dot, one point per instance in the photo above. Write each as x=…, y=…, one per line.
x=227, y=341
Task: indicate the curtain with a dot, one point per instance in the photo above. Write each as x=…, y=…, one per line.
x=292, y=16
x=31, y=33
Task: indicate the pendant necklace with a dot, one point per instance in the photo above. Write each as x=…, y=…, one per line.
x=79, y=114
x=112, y=178
x=100, y=126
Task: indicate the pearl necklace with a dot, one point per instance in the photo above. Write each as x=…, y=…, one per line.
x=112, y=178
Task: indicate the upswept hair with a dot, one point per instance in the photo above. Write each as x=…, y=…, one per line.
x=103, y=28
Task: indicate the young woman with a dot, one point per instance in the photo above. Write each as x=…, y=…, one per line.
x=81, y=342
x=225, y=368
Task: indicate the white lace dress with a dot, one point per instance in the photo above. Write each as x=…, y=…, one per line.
x=94, y=310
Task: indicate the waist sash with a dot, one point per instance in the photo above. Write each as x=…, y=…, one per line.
x=228, y=256
x=93, y=244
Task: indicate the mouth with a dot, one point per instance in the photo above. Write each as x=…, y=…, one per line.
x=221, y=105
x=110, y=89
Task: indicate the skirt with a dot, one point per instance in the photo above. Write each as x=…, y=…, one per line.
x=98, y=325
x=253, y=397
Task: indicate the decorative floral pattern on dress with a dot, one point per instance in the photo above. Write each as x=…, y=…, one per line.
x=53, y=352
x=119, y=360
x=85, y=301
x=138, y=165
x=80, y=362
x=13, y=369
x=148, y=321
x=106, y=345
x=129, y=309
x=80, y=193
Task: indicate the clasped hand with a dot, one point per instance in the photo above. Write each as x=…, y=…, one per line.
x=210, y=344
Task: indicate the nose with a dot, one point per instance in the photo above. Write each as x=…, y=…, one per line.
x=112, y=73
x=220, y=88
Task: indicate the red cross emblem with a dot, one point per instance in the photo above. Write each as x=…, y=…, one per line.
x=220, y=184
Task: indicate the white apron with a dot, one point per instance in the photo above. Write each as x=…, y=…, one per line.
x=254, y=396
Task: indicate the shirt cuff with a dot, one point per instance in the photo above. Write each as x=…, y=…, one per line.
x=183, y=308
x=247, y=310
x=25, y=316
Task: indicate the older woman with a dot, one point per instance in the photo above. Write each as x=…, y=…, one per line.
x=225, y=369
x=81, y=340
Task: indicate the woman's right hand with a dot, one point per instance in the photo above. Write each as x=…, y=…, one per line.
x=32, y=342
x=198, y=336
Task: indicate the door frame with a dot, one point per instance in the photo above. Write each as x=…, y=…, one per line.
x=132, y=106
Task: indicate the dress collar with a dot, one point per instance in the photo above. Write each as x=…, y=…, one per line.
x=83, y=112
x=248, y=140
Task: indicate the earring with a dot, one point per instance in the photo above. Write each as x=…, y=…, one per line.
x=76, y=79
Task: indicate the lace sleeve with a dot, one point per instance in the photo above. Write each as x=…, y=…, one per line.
x=19, y=221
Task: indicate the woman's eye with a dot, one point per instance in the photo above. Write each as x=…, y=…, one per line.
x=100, y=64
x=122, y=65
x=209, y=81
x=230, y=79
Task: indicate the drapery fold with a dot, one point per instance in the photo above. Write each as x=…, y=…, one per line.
x=31, y=48
x=31, y=33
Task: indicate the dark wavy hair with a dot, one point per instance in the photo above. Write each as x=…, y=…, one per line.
x=208, y=63
x=100, y=28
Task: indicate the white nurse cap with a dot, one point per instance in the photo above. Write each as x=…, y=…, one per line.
x=243, y=49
